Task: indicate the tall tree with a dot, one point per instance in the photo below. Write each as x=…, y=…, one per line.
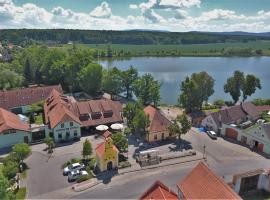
x=180, y=126
x=27, y=72
x=21, y=151
x=250, y=85
x=112, y=82
x=141, y=122
x=234, y=85
x=147, y=89
x=128, y=78
x=10, y=79
x=196, y=90
x=130, y=111
x=120, y=141
x=90, y=78
x=87, y=149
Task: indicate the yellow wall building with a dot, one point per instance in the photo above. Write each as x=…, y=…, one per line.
x=107, y=155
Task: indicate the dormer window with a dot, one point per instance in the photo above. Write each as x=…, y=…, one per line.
x=62, y=125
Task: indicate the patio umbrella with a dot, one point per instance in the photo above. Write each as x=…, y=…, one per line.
x=268, y=113
x=102, y=128
x=117, y=126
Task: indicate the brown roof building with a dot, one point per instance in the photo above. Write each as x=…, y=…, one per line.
x=159, y=191
x=158, y=128
x=26, y=96
x=202, y=183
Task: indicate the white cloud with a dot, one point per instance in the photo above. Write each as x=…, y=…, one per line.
x=133, y=6
x=102, y=11
x=180, y=14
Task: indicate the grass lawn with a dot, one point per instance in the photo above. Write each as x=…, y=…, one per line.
x=21, y=193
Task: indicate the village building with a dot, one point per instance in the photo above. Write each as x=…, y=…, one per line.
x=202, y=183
x=233, y=115
x=159, y=124
x=106, y=155
x=159, y=191
x=12, y=129
x=19, y=100
x=196, y=118
x=66, y=118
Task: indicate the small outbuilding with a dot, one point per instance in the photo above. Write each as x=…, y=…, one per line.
x=107, y=155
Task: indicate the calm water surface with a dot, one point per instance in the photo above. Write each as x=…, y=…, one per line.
x=172, y=70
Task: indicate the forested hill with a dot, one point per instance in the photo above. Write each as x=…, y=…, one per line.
x=63, y=36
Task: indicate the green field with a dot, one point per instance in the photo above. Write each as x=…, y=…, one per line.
x=212, y=49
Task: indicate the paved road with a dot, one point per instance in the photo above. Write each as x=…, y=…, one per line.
x=224, y=159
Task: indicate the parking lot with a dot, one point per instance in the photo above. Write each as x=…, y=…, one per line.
x=45, y=173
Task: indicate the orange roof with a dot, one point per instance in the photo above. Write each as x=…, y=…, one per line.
x=100, y=148
x=158, y=191
x=158, y=122
x=10, y=121
x=202, y=183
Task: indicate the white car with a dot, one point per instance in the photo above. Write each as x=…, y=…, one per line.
x=212, y=135
x=74, y=175
x=73, y=167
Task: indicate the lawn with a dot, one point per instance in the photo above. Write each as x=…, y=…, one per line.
x=211, y=110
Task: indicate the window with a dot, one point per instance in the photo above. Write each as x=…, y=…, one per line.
x=6, y=132
x=67, y=134
x=62, y=125
x=155, y=137
x=13, y=131
x=75, y=133
x=70, y=123
x=60, y=135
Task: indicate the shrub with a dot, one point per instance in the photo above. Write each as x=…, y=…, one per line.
x=92, y=163
x=10, y=170
x=21, y=193
x=124, y=164
x=71, y=161
x=83, y=178
x=219, y=102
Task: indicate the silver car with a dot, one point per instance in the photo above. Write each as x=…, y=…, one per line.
x=74, y=175
x=73, y=167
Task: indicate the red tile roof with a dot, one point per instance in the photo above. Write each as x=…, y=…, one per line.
x=158, y=191
x=263, y=108
x=100, y=148
x=107, y=134
x=158, y=122
x=26, y=96
x=10, y=121
x=202, y=183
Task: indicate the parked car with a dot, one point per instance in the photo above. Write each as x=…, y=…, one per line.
x=74, y=175
x=73, y=167
x=212, y=134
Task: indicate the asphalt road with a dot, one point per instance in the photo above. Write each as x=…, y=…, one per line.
x=224, y=158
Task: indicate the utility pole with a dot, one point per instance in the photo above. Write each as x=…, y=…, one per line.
x=204, y=153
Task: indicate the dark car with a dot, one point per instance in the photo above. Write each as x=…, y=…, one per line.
x=212, y=134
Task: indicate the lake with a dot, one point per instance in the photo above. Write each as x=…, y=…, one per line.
x=172, y=70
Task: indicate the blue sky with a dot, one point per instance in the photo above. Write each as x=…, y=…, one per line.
x=172, y=15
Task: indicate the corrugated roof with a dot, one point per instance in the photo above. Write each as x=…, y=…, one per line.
x=158, y=191
x=10, y=121
x=158, y=122
x=202, y=183
x=26, y=96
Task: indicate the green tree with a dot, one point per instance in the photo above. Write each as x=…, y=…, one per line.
x=21, y=151
x=90, y=78
x=180, y=126
x=147, y=89
x=50, y=144
x=87, y=149
x=10, y=169
x=27, y=72
x=128, y=79
x=141, y=122
x=130, y=111
x=111, y=81
x=4, y=185
x=9, y=79
x=121, y=142
x=234, y=85
x=196, y=90
x=250, y=84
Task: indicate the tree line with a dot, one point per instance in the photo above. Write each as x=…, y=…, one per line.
x=63, y=36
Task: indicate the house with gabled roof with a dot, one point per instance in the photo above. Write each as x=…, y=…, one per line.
x=158, y=127
x=202, y=183
x=159, y=191
x=12, y=129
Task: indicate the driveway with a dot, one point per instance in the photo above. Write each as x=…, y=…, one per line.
x=45, y=173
